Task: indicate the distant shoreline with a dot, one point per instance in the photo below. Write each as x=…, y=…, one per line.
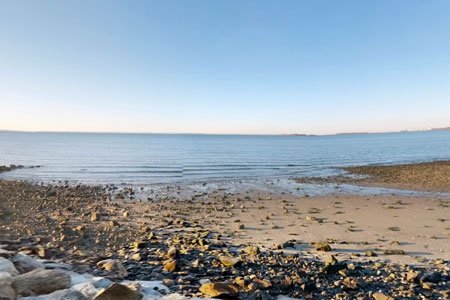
x=223, y=134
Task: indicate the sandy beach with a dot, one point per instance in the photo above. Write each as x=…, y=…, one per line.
x=380, y=234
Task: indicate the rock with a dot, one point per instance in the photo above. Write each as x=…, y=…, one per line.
x=219, y=289
x=94, y=217
x=8, y=267
x=87, y=289
x=6, y=253
x=380, y=296
x=428, y=285
x=25, y=263
x=282, y=297
x=351, y=283
x=6, y=290
x=41, y=282
x=394, y=252
x=332, y=266
x=172, y=253
x=42, y=252
x=57, y=265
x=136, y=256
x=151, y=288
x=412, y=276
x=322, y=246
x=139, y=245
x=331, y=260
x=433, y=277
x=114, y=266
x=251, y=250
x=170, y=265
x=59, y=295
x=117, y=291
x=370, y=253
x=228, y=261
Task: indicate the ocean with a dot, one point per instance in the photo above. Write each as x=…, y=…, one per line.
x=168, y=158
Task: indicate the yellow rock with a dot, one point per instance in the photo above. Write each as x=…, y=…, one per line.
x=380, y=296
x=228, y=261
x=219, y=289
x=170, y=265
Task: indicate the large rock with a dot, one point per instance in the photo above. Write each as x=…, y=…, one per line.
x=25, y=263
x=7, y=266
x=118, y=291
x=59, y=295
x=41, y=282
x=6, y=290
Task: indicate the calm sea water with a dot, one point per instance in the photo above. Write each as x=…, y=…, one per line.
x=158, y=158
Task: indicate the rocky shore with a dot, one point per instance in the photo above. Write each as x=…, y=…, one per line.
x=94, y=242
x=429, y=176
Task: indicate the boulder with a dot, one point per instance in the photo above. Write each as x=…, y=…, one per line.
x=65, y=294
x=41, y=282
x=8, y=267
x=6, y=290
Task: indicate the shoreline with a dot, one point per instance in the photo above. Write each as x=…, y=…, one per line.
x=84, y=225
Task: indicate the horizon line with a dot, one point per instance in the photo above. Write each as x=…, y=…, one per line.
x=199, y=133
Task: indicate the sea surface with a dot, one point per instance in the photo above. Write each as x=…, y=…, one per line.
x=189, y=158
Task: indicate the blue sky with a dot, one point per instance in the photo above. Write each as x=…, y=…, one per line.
x=224, y=66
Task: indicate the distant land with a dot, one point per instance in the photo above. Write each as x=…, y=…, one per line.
x=364, y=132
x=193, y=133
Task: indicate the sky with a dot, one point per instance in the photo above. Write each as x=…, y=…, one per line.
x=234, y=66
